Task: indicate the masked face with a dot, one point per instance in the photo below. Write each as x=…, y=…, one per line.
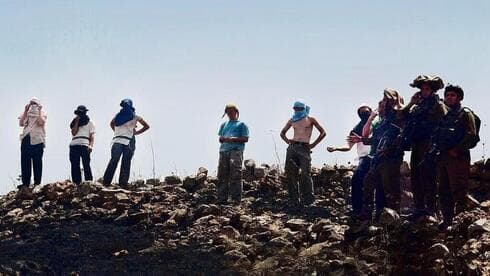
x=34, y=107
x=364, y=113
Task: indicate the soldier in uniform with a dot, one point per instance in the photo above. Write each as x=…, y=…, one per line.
x=422, y=115
x=453, y=139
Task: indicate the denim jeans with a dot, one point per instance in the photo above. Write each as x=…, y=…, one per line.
x=357, y=187
x=118, y=150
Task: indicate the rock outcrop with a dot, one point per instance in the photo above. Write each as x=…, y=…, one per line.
x=175, y=227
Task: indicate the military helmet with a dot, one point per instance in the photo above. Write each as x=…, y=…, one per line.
x=434, y=81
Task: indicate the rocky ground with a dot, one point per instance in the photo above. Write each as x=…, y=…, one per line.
x=174, y=227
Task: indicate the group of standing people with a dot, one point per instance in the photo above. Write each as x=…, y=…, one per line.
x=126, y=125
x=439, y=134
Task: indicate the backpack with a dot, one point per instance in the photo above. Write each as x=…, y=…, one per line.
x=476, y=138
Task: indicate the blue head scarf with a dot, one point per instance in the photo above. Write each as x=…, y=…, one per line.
x=299, y=115
x=126, y=114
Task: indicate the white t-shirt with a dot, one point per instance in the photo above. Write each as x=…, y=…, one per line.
x=362, y=150
x=82, y=138
x=124, y=133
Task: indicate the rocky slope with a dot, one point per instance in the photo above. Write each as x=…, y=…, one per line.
x=173, y=227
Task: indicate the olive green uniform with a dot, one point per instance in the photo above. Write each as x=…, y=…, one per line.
x=423, y=174
x=453, y=171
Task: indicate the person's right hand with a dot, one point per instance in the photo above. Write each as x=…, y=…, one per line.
x=26, y=108
x=374, y=114
x=416, y=98
x=331, y=149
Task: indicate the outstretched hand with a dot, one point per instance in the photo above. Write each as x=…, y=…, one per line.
x=354, y=138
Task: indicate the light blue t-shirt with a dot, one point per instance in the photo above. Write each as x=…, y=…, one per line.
x=233, y=129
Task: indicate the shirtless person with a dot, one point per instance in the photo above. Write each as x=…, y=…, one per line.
x=298, y=159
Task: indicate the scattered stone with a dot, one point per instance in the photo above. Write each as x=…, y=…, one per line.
x=297, y=224
x=180, y=230
x=172, y=180
x=478, y=227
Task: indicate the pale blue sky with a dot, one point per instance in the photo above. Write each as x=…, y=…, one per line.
x=182, y=61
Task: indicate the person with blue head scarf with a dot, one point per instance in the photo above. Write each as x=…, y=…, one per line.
x=124, y=125
x=127, y=113
x=298, y=156
x=301, y=110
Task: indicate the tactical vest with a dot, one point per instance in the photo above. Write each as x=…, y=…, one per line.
x=451, y=130
x=422, y=127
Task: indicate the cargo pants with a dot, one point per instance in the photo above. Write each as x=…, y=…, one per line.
x=230, y=176
x=298, y=174
x=423, y=178
x=453, y=174
x=384, y=177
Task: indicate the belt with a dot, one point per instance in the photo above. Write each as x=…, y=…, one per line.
x=300, y=143
x=124, y=137
x=80, y=137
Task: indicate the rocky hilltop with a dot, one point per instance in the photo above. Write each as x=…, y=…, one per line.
x=173, y=226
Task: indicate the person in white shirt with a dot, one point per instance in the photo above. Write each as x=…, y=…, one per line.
x=364, y=111
x=82, y=143
x=33, y=138
x=124, y=143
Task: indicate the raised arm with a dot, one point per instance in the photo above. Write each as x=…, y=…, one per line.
x=75, y=127
x=41, y=120
x=22, y=118
x=113, y=124
x=367, y=129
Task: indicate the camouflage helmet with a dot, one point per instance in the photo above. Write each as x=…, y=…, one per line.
x=456, y=89
x=434, y=81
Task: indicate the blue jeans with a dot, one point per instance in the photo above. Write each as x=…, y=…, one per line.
x=357, y=187
x=118, y=150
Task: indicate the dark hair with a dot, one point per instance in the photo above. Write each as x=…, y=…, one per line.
x=456, y=89
x=362, y=107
